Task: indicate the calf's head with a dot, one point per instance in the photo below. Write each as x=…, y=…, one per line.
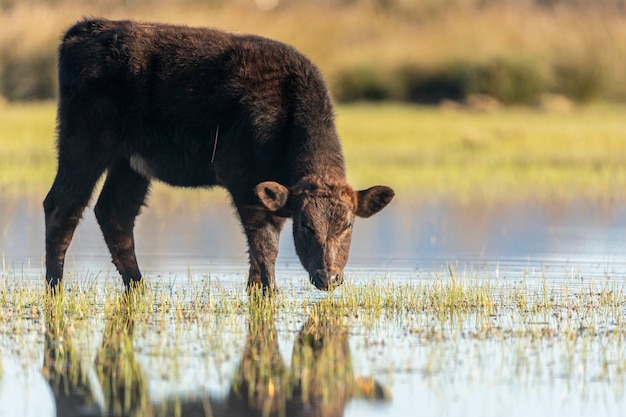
x=323, y=214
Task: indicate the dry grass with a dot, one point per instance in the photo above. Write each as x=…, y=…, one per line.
x=583, y=44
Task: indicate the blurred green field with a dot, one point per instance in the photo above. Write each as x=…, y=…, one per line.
x=513, y=153
x=423, y=152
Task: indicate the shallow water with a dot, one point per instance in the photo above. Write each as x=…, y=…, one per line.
x=575, y=245
x=518, y=240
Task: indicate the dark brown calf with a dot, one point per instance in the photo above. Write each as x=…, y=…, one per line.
x=199, y=107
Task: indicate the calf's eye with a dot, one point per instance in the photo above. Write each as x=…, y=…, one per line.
x=306, y=227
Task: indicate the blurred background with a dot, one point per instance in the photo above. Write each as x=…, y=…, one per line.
x=501, y=124
x=551, y=52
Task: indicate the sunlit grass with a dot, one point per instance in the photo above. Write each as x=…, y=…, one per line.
x=27, y=153
x=515, y=153
x=429, y=294
x=535, y=330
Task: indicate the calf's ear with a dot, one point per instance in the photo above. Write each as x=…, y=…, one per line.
x=272, y=195
x=373, y=200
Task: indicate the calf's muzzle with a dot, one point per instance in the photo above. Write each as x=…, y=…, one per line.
x=326, y=280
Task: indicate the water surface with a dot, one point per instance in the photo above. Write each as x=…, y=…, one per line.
x=556, y=241
x=439, y=369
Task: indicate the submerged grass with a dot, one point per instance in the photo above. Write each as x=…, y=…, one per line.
x=428, y=295
x=514, y=153
x=158, y=331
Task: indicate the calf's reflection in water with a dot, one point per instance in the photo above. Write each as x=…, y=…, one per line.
x=320, y=381
x=114, y=385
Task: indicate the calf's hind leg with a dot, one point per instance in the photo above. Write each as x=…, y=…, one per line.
x=119, y=204
x=64, y=205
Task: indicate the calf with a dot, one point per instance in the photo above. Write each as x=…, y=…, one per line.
x=199, y=107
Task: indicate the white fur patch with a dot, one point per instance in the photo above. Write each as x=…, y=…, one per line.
x=140, y=166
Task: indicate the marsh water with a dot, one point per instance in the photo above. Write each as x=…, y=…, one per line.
x=572, y=246
x=559, y=241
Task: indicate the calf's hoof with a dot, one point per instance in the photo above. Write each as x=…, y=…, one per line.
x=257, y=289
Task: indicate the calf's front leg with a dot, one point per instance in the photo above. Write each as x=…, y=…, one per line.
x=262, y=230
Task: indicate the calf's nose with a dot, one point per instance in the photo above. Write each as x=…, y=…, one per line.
x=325, y=280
